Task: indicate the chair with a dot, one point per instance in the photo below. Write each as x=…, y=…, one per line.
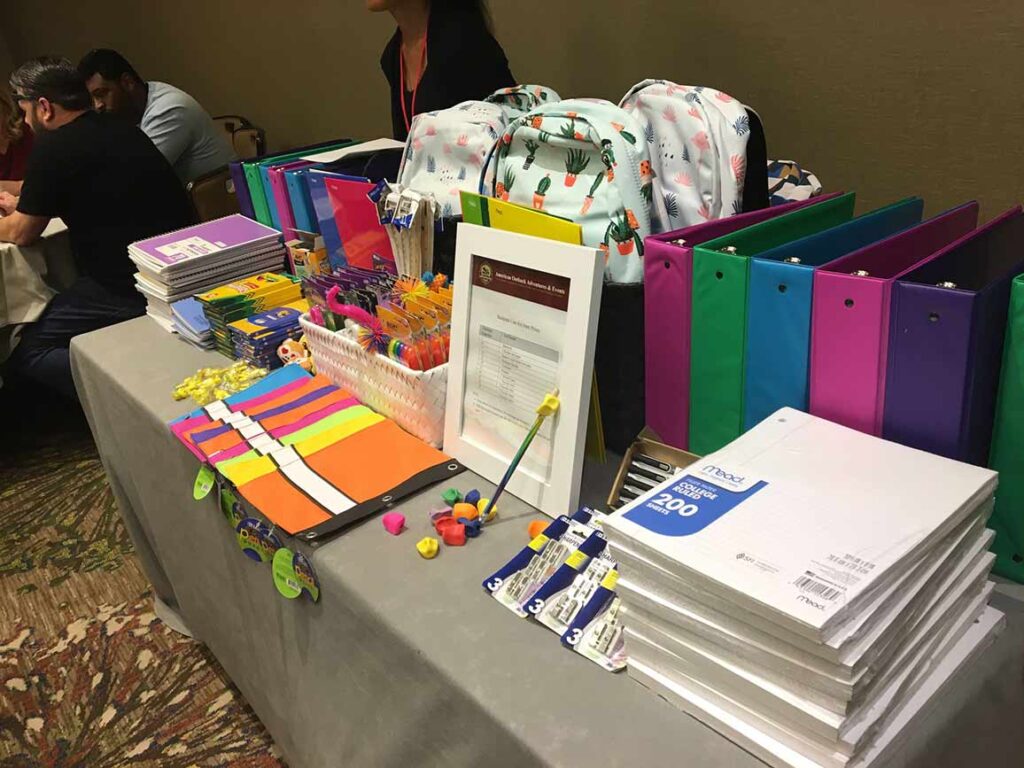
x=246, y=139
x=213, y=195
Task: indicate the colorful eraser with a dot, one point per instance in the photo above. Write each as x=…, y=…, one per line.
x=452, y=497
x=473, y=527
x=435, y=514
x=427, y=547
x=536, y=528
x=443, y=522
x=454, y=535
x=394, y=522
x=482, y=505
x=472, y=497
x=467, y=511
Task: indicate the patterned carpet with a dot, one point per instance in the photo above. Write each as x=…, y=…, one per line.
x=88, y=675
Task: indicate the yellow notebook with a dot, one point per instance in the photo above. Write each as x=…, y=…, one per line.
x=491, y=212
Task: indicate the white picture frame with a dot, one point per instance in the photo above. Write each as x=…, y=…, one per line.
x=555, y=489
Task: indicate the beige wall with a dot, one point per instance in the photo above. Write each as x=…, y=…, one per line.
x=887, y=98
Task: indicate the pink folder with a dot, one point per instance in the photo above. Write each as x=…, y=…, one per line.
x=363, y=238
x=279, y=186
x=850, y=318
x=668, y=282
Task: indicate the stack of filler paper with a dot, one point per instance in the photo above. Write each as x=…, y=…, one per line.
x=195, y=259
x=808, y=590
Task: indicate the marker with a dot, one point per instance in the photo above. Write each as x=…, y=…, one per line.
x=651, y=462
x=643, y=482
x=657, y=478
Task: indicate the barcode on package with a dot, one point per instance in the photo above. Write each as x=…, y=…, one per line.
x=808, y=583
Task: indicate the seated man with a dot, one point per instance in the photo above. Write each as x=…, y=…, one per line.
x=181, y=129
x=111, y=187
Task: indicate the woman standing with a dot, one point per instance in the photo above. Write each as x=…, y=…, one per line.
x=15, y=144
x=442, y=53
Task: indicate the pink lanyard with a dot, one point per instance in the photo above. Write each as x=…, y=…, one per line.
x=401, y=83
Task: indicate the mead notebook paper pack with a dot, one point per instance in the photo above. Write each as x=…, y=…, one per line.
x=796, y=664
x=844, y=657
x=799, y=587
x=801, y=519
x=781, y=750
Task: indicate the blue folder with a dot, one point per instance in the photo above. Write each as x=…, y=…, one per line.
x=779, y=306
x=316, y=180
x=301, y=200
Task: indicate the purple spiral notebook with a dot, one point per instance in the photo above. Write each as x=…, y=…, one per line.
x=234, y=233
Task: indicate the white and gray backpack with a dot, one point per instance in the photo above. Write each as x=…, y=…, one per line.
x=447, y=149
x=584, y=160
x=698, y=139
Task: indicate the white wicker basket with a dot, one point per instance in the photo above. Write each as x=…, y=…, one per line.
x=413, y=399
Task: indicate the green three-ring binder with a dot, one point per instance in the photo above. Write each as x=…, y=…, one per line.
x=1007, y=455
x=718, y=331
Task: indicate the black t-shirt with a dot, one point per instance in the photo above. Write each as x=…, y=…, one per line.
x=464, y=62
x=111, y=186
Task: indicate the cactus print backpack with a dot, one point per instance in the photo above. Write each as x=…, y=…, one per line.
x=447, y=149
x=698, y=141
x=583, y=160
x=517, y=100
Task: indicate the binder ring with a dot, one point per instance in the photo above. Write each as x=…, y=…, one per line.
x=848, y=303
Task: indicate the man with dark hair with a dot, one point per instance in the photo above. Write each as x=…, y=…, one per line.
x=181, y=129
x=111, y=187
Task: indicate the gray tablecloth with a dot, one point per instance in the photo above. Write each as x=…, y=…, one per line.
x=404, y=661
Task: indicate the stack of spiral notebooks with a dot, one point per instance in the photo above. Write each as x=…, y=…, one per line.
x=179, y=264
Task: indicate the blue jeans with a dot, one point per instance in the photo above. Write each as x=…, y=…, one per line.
x=43, y=354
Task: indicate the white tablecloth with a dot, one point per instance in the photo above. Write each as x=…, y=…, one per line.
x=29, y=277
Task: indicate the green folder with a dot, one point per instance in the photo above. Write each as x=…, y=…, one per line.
x=719, y=316
x=254, y=179
x=1007, y=455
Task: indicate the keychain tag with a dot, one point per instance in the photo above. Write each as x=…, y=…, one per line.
x=306, y=576
x=257, y=540
x=284, y=574
x=204, y=483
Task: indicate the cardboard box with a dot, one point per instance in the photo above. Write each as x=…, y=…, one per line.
x=308, y=255
x=648, y=443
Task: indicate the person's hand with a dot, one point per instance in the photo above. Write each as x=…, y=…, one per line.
x=8, y=203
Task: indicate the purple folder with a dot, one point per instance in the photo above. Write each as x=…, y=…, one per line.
x=850, y=317
x=946, y=342
x=241, y=189
x=668, y=281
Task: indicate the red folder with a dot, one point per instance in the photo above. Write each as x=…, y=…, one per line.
x=363, y=238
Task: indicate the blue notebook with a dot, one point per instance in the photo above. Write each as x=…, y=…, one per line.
x=779, y=306
x=189, y=312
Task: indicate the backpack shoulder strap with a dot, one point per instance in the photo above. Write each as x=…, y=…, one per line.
x=755, y=181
